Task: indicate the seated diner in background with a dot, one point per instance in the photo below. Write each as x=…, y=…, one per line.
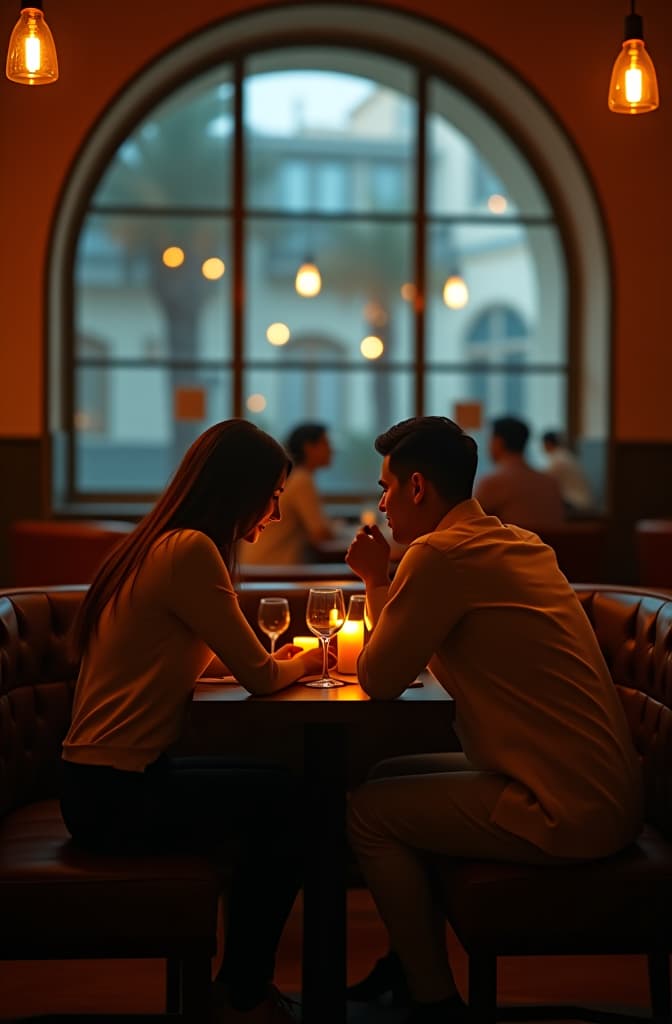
x=162, y=612
x=548, y=772
x=514, y=491
x=304, y=524
x=563, y=465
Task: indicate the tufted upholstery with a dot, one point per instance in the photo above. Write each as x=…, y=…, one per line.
x=622, y=904
x=151, y=906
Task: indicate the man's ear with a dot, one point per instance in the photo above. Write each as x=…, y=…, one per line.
x=418, y=487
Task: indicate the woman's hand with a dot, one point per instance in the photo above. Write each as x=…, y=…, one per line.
x=287, y=651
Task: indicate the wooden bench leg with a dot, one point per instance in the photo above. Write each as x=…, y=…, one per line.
x=188, y=988
x=659, y=985
x=483, y=988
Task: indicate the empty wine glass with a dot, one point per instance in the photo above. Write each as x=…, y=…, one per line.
x=273, y=617
x=325, y=614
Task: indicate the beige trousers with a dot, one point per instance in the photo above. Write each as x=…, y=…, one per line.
x=426, y=803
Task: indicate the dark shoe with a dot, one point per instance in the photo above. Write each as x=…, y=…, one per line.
x=386, y=983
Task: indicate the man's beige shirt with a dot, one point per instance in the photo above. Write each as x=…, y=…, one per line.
x=487, y=608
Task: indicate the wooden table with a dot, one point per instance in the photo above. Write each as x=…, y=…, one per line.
x=325, y=716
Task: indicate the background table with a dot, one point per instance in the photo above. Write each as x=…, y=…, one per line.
x=325, y=716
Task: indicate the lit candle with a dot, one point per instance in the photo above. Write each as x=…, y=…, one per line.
x=350, y=642
x=306, y=643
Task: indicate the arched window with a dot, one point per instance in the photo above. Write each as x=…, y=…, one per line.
x=237, y=168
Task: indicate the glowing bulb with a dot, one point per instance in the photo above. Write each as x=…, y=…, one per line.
x=455, y=292
x=31, y=55
x=633, y=88
x=213, y=268
x=256, y=403
x=371, y=347
x=308, y=281
x=497, y=203
x=277, y=334
x=173, y=256
x=407, y=291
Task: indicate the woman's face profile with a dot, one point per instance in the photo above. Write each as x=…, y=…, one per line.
x=270, y=514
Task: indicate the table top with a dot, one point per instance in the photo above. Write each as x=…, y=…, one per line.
x=342, y=703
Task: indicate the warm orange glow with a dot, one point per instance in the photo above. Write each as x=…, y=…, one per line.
x=31, y=55
x=308, y=281
x=349, y=644
x=633, y=88
x=213, y=268
x=408, y=291
x=497, y=203
x=256, y=403
x=306, y=643
x=371, y=347
x=278, y=334
x=173, y=256
x=455, y=292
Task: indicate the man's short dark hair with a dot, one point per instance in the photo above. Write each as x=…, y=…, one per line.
x=514, y=433
x=436, y=447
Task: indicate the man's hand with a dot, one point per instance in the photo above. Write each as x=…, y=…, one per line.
x=369, y=556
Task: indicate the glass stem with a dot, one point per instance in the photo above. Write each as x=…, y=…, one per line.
x=325, y=643
x=273, y=639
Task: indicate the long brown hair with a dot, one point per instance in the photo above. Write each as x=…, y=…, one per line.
x=221, y=487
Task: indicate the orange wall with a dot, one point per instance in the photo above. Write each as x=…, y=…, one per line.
x=563, y=50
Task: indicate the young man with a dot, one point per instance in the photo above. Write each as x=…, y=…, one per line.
x=514, y=491
x=548, y=771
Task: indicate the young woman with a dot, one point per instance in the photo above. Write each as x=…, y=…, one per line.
x=161, y=605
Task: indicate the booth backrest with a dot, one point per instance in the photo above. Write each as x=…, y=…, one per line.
x=37, y=675
x=53, y=552
x=653, y=546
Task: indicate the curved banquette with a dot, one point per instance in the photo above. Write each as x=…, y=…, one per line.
x=166, y=906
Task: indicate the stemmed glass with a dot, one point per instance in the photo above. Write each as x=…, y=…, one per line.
x=273, y=617
x=325, y=614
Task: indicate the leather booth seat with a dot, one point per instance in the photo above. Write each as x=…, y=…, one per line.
x=59, y=902
x=51, y=552
x=620, y=904
x=653, y=547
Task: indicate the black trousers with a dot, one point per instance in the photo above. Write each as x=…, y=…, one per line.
x=194, y=804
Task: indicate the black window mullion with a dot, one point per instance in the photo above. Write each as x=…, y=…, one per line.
x=238, y=239
x=420, y=243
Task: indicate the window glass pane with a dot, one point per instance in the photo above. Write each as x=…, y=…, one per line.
x=515, y=269
x=540, y=399
x=363, y=265
x=473, y=166
x=180, y=154
x=331, y=130
x=133, y=424
x=355, y=405
x=132, y=305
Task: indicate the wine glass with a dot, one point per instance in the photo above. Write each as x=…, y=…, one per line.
x=325, y=614
x=273, y=617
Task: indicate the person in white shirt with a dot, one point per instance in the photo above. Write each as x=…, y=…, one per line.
x=548, y=771
x=304, y=523
x=564, y=467
x=514, y=491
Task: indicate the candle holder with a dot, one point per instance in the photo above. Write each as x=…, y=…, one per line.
x=350, y=639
